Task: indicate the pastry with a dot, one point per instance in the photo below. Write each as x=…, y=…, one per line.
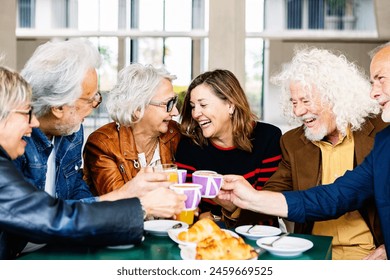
x=229, y=248
x=200, y=230
x=216, y=244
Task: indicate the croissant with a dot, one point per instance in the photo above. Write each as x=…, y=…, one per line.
x=202, y=229
x=229, y=248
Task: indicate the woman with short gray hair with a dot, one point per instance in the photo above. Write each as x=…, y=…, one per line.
x=142, y=105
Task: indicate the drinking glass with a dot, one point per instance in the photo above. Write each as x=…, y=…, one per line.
x=171, y=169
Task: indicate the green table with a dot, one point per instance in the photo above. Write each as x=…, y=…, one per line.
x=163, y=248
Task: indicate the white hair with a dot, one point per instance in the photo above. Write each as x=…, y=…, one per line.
x=56, y=72
x=339, y=82
x=136, y=86
x=373, y=52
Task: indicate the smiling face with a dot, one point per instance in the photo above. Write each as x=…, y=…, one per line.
x=76, y=115
x=68, y=119
x=13, y=128
x=318, y=119
x=212, y=115
x=380, y=81
x=156, y=118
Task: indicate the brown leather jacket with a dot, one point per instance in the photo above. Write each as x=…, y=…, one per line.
x=300, y=168
x=110, y=154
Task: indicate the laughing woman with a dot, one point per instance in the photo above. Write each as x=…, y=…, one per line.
x=142, y=105
x=223, y=135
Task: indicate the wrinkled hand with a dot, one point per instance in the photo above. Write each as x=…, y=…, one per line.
x=145, y=181
x=228, y=205
x=378, y=254
x=236, y=190
x=163, y=203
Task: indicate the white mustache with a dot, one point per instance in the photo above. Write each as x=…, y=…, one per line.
x=306, y=117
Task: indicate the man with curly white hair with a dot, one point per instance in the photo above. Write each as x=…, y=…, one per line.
x=328, y=96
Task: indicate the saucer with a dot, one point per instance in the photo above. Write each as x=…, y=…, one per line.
x=161, y=227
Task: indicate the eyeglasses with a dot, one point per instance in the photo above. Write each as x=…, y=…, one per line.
x=169, y=104
x=95, y=100
x=29, y=113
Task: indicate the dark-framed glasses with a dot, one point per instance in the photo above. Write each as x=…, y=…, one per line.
x=28, y=113
x=169, y=104
x=95, y=100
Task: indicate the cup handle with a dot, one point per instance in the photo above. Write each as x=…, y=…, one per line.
x=199, y=196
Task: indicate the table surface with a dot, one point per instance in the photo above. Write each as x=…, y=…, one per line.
x=163, y=248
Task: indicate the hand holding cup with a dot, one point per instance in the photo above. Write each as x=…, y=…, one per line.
x=192, y=191
x=210, y=181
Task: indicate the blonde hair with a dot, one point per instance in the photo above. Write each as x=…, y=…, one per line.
x=14, y=91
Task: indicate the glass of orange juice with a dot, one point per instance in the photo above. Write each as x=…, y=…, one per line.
x=171, y=169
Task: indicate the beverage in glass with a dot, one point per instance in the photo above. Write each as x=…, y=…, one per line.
x=171, y=169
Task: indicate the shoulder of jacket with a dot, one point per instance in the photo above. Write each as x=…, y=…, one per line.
x=295, y=136
x=106, y=131
x=378, y=123
x=172, y=134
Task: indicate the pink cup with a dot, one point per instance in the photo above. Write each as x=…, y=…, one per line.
x=192, y=191
x=182, y=175
x=211, y=182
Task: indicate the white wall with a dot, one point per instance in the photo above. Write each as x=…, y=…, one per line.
x=7, y=33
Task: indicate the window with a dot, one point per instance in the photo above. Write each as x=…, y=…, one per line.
x=26, y=16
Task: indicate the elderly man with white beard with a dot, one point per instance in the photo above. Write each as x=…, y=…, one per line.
x=329, y=97
x=367, y=182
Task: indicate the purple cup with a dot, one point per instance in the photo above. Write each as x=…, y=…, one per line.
x=192, y=191
x=182, y=175
x=211, y=182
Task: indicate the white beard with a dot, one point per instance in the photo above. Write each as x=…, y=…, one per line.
x=65, y=130
x=319, y=135
x=386, y=115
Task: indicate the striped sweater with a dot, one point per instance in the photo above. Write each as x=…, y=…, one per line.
x=257, y=166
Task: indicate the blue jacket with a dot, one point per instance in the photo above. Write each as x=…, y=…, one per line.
x=368, y=181
x=27, y=214
x=69, y=179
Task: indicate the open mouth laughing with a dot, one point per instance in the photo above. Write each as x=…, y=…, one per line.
x=204, y=123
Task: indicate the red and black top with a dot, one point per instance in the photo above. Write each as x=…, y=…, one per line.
x=257, y=166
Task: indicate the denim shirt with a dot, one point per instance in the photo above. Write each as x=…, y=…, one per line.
x=68, y=176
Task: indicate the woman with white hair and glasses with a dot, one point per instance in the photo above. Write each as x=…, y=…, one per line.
x=142, y=105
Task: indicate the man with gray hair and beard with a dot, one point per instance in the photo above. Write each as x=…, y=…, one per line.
x=329, y=98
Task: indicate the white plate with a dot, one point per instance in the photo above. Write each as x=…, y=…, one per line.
x=189, y=252
x=287, y=246
x=258, y=231
x=124, y=247
x=161, y=227
x=173, y=233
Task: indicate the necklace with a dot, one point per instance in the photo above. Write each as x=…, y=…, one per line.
x=150, y=152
